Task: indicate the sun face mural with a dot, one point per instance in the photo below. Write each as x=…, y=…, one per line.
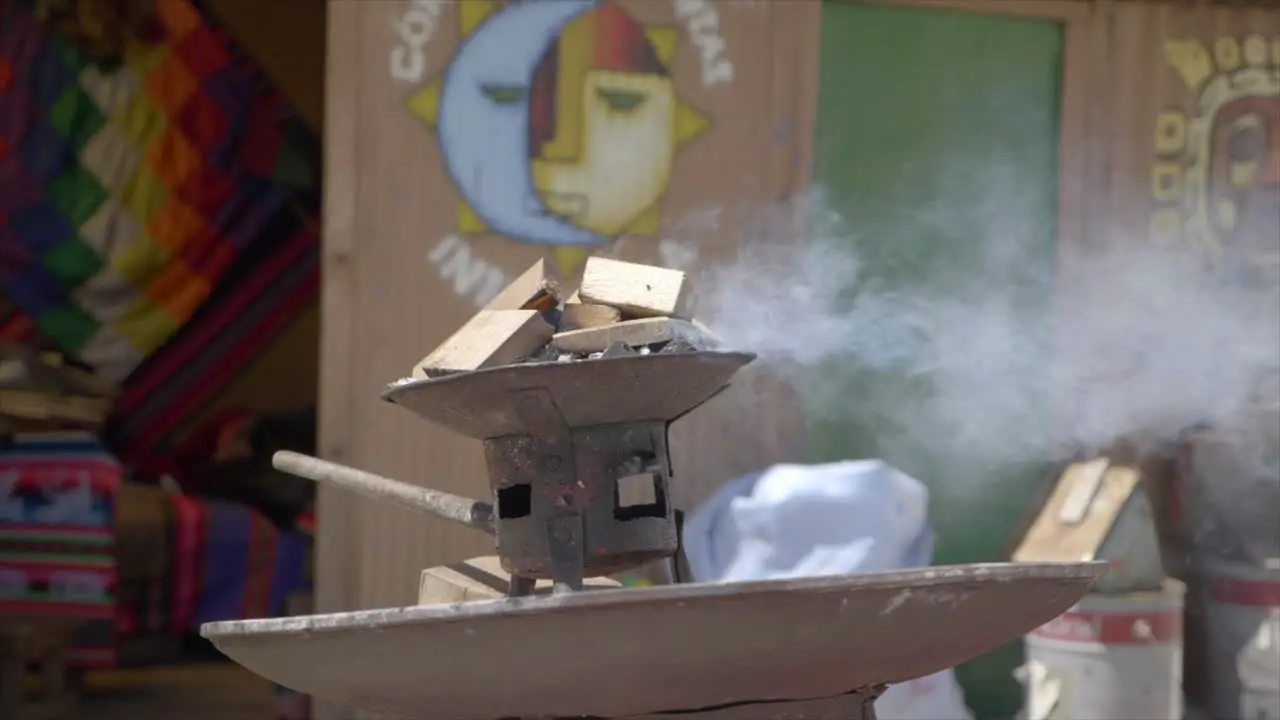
x=558, y=122
x=1217, y=177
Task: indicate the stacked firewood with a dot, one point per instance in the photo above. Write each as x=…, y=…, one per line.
x=619, y=309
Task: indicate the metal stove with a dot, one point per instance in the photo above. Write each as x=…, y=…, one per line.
x=561, y=440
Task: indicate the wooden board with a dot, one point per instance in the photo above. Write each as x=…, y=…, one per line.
x=535, y=289
x=481, y=578
x=577, y=316
x=489, y=339
x=1054, y=538
x=633, y=333
x=637, y=290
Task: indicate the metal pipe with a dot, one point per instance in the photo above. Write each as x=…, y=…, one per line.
x=462, y=510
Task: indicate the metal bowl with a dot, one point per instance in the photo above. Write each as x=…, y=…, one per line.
x=604, y=391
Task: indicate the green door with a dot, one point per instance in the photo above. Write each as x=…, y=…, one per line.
x=936, y=146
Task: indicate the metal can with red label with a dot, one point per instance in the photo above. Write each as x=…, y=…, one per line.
x=1242, y=614
x=1111, y=657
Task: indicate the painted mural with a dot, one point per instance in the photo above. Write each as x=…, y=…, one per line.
x=559, y=122
x=1216, y=179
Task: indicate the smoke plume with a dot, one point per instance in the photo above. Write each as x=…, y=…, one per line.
x=1005, y=355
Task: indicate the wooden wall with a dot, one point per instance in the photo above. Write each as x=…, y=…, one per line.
x=405, y=262
x=1178, y=138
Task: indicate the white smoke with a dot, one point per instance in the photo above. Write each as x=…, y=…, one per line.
x=989, y=363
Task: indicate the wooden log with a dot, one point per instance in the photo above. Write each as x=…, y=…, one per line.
x=636, y=290
x=580, y=316
x=633, y=333
x=481, y=578
x=491, y=338
x=535, y=289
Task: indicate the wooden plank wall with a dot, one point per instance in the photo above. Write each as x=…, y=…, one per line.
x=400, y=273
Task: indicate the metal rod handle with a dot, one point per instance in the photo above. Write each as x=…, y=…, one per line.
x=462, y=510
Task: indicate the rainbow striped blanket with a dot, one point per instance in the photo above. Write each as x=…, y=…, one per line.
x=128, y=193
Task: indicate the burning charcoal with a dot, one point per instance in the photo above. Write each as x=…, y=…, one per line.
x=617, y=349
x=549, y=353
x=554, y=316
x=678, y=345
x=535, y=289
x=433, y=373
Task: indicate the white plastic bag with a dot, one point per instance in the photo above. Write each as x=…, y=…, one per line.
x=835, y=519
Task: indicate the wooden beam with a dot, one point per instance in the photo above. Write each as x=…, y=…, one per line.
x=633, y=333
x=579, y=316
x=337, y=517
x=489, y=339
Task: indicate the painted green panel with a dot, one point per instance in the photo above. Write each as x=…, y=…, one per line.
x=936, y=142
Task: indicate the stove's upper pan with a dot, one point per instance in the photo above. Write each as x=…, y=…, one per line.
x=637, y=388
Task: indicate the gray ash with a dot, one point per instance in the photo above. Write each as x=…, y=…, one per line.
x=551, y=353
x=618, y=349
x=433, y=373
x=677, y=345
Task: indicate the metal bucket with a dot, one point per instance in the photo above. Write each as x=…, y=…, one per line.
x=1111, y=657
x=1242, y=617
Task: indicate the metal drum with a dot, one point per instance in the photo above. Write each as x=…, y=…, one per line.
x=1111, y=657
x=1242, y=615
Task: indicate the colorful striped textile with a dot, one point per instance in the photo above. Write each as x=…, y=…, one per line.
x=227, y=562
x=270, y=287
x=128, y=194
x=260, y=296
x=57, y=546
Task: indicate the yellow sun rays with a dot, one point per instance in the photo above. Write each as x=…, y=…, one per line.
x=687, y=123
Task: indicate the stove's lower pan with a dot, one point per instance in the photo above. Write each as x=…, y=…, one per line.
x=703, y=650
x=858, y=705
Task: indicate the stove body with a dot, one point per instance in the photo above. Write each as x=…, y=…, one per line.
x=563, y=510
x=577, y=457
x=580, y=477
